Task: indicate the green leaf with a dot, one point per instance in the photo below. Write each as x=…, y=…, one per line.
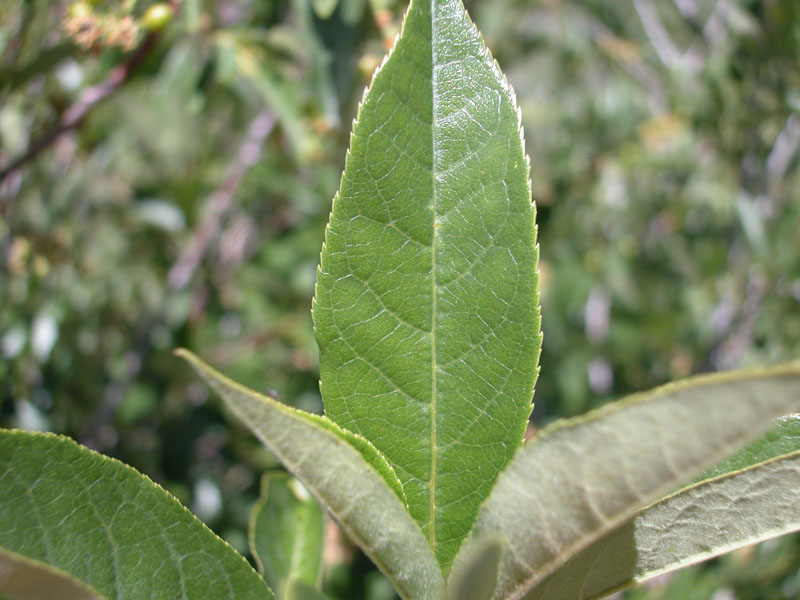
x=287, y=533
x=782, y=439
x=347, y=475
x=300, y=590
x=581, y=478
x=24, y=579
x=752, y=497
x=106, y=525
x=426, y=308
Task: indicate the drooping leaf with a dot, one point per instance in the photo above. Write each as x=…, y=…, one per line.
x=105, y=524
x=347, y=475
x=287, y=533
x=24, y=579
x=582, y=478
x=426, y=309
x=752, y=497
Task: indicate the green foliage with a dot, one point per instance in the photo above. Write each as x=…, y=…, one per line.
x=347, y=474
x=287, y=533
x=418, y=353
x=683, y=529
x=376, y=312
x=297, y=589
x=783, y=439
x=665, y=206
x=580, y=478
x=106, y=525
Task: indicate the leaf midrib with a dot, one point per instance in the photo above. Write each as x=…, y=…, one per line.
x=434, y=289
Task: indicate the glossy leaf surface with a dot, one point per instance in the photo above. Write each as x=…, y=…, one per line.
x=581, y=478
x=752, y=497
x=287, y=533
x=426, y=308
x=351, y=481
x=106, y=525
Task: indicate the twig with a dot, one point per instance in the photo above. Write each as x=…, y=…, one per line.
x=730, y=352
x=635, y=67
x=784, y=150
x=220, y=201
x=715, y=28
x=91, y=97
x=688, y=8
x=665, y=49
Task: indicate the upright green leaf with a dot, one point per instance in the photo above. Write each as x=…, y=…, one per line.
x=347, y=475
x=748, y=498
x=287, y=533
x=581, y=478
x=110, y=527
x=25, y=579
x=426, y=309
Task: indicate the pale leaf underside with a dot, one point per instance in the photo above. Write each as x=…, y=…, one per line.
x=583, y=478
x=751, y=497
x=701, y=522
x=349, y=484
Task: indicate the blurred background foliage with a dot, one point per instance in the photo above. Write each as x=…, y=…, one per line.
x=167, y=172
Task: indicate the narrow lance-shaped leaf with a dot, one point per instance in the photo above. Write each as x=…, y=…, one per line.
x=24, y=579
x=287, y=533
x=747, y=499
x=581, y=478
x=106, y=525
x=426, y=309
x=347, y=475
